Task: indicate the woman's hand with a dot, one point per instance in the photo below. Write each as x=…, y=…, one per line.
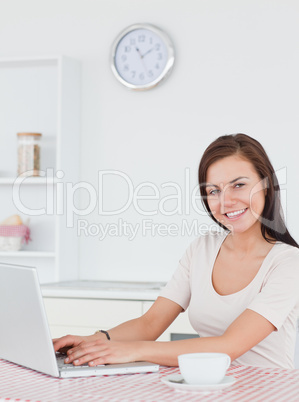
x=67, y=342
x=131, y=341
x=94, y=350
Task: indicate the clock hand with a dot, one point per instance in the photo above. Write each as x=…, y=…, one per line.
x=141, y=57
x=138, y=51
x=147, y=52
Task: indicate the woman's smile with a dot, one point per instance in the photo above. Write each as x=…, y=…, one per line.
x=235, y=214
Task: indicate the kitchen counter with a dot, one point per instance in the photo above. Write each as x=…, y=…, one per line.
x=86, y=289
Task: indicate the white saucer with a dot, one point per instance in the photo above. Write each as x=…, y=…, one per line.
x=177, y=382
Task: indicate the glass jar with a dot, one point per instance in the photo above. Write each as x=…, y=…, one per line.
x=29, y=154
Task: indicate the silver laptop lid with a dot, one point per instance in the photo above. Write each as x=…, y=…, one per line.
x=25, y=337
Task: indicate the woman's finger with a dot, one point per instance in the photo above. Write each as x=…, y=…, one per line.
x=86, y=344
x=85, y=353
x=99, y=361
x=67, y=340
x=91, y=358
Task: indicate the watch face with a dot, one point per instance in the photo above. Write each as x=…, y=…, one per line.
x=142, y=57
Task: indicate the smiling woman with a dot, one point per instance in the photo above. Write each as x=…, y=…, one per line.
x=245, y=152
x=240, y=285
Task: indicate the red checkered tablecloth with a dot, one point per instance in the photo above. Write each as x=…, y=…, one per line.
x=253, y=385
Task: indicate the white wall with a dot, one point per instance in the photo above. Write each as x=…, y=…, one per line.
x=236, y=70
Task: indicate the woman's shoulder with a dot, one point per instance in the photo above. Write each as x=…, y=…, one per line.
x=282, y=266
x=286, y=252
x=282, y=261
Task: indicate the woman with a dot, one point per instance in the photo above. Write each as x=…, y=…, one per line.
x=241, y=285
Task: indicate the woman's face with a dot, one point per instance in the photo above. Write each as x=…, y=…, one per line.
x=235, y=193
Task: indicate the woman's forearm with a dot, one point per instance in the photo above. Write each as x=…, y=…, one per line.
x=166, y=353
x=134, y=330
x=150, y=325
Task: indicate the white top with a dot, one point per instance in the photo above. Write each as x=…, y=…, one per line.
x=273, y=293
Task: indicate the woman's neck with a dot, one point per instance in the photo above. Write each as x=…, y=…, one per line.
x=247, y=243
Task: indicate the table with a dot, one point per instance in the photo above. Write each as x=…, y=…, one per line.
x=253, y=384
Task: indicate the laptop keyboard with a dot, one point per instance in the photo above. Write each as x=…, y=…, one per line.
x=65, y=366
x=61, y=365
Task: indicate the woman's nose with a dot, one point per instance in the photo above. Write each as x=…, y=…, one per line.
x=227, y=200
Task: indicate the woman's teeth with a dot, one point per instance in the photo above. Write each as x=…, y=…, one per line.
x=232, y=214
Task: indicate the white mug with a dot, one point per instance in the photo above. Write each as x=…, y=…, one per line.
x=203, y=368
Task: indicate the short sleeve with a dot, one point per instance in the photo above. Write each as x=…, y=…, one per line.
x=279, y=294
x=178, y=288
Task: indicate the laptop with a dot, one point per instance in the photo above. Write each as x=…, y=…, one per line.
x=25, y=337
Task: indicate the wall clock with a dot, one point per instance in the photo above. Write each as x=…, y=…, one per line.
x=142, y=56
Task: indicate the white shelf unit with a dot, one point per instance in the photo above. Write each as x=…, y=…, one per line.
x=27, y=180
x=27, y=254
x=42, y=94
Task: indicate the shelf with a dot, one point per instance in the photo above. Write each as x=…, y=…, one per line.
x=42, y=95
x=27, y=180
x=22, y=253
x=24, y=61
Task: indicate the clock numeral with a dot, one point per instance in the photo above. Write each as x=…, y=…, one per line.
x=157, y=66
x=160, y=56
x=141, y=76
x=133, y=73
x=132, y=41
x=150, y=73
x=151, y=40
x=126, y=67
x=127, y=49
x=141, y=38
x=124, y=57
x=157, y=46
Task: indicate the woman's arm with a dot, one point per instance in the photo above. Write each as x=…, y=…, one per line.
x=246, y=331
x=148, y=327
x=249, y=329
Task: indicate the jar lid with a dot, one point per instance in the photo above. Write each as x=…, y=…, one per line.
x=32, y=134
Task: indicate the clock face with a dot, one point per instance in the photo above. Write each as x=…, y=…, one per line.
x=142, y=56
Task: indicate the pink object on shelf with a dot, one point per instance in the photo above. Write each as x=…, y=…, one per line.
x=12, y=237
x=15, y=231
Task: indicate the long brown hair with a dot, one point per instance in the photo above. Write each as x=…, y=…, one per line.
x=272, y=221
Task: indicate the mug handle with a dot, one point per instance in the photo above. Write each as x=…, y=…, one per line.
x=228, y=361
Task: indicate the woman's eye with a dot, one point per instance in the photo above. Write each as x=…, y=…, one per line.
x=214, y=192
x=239, y=185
